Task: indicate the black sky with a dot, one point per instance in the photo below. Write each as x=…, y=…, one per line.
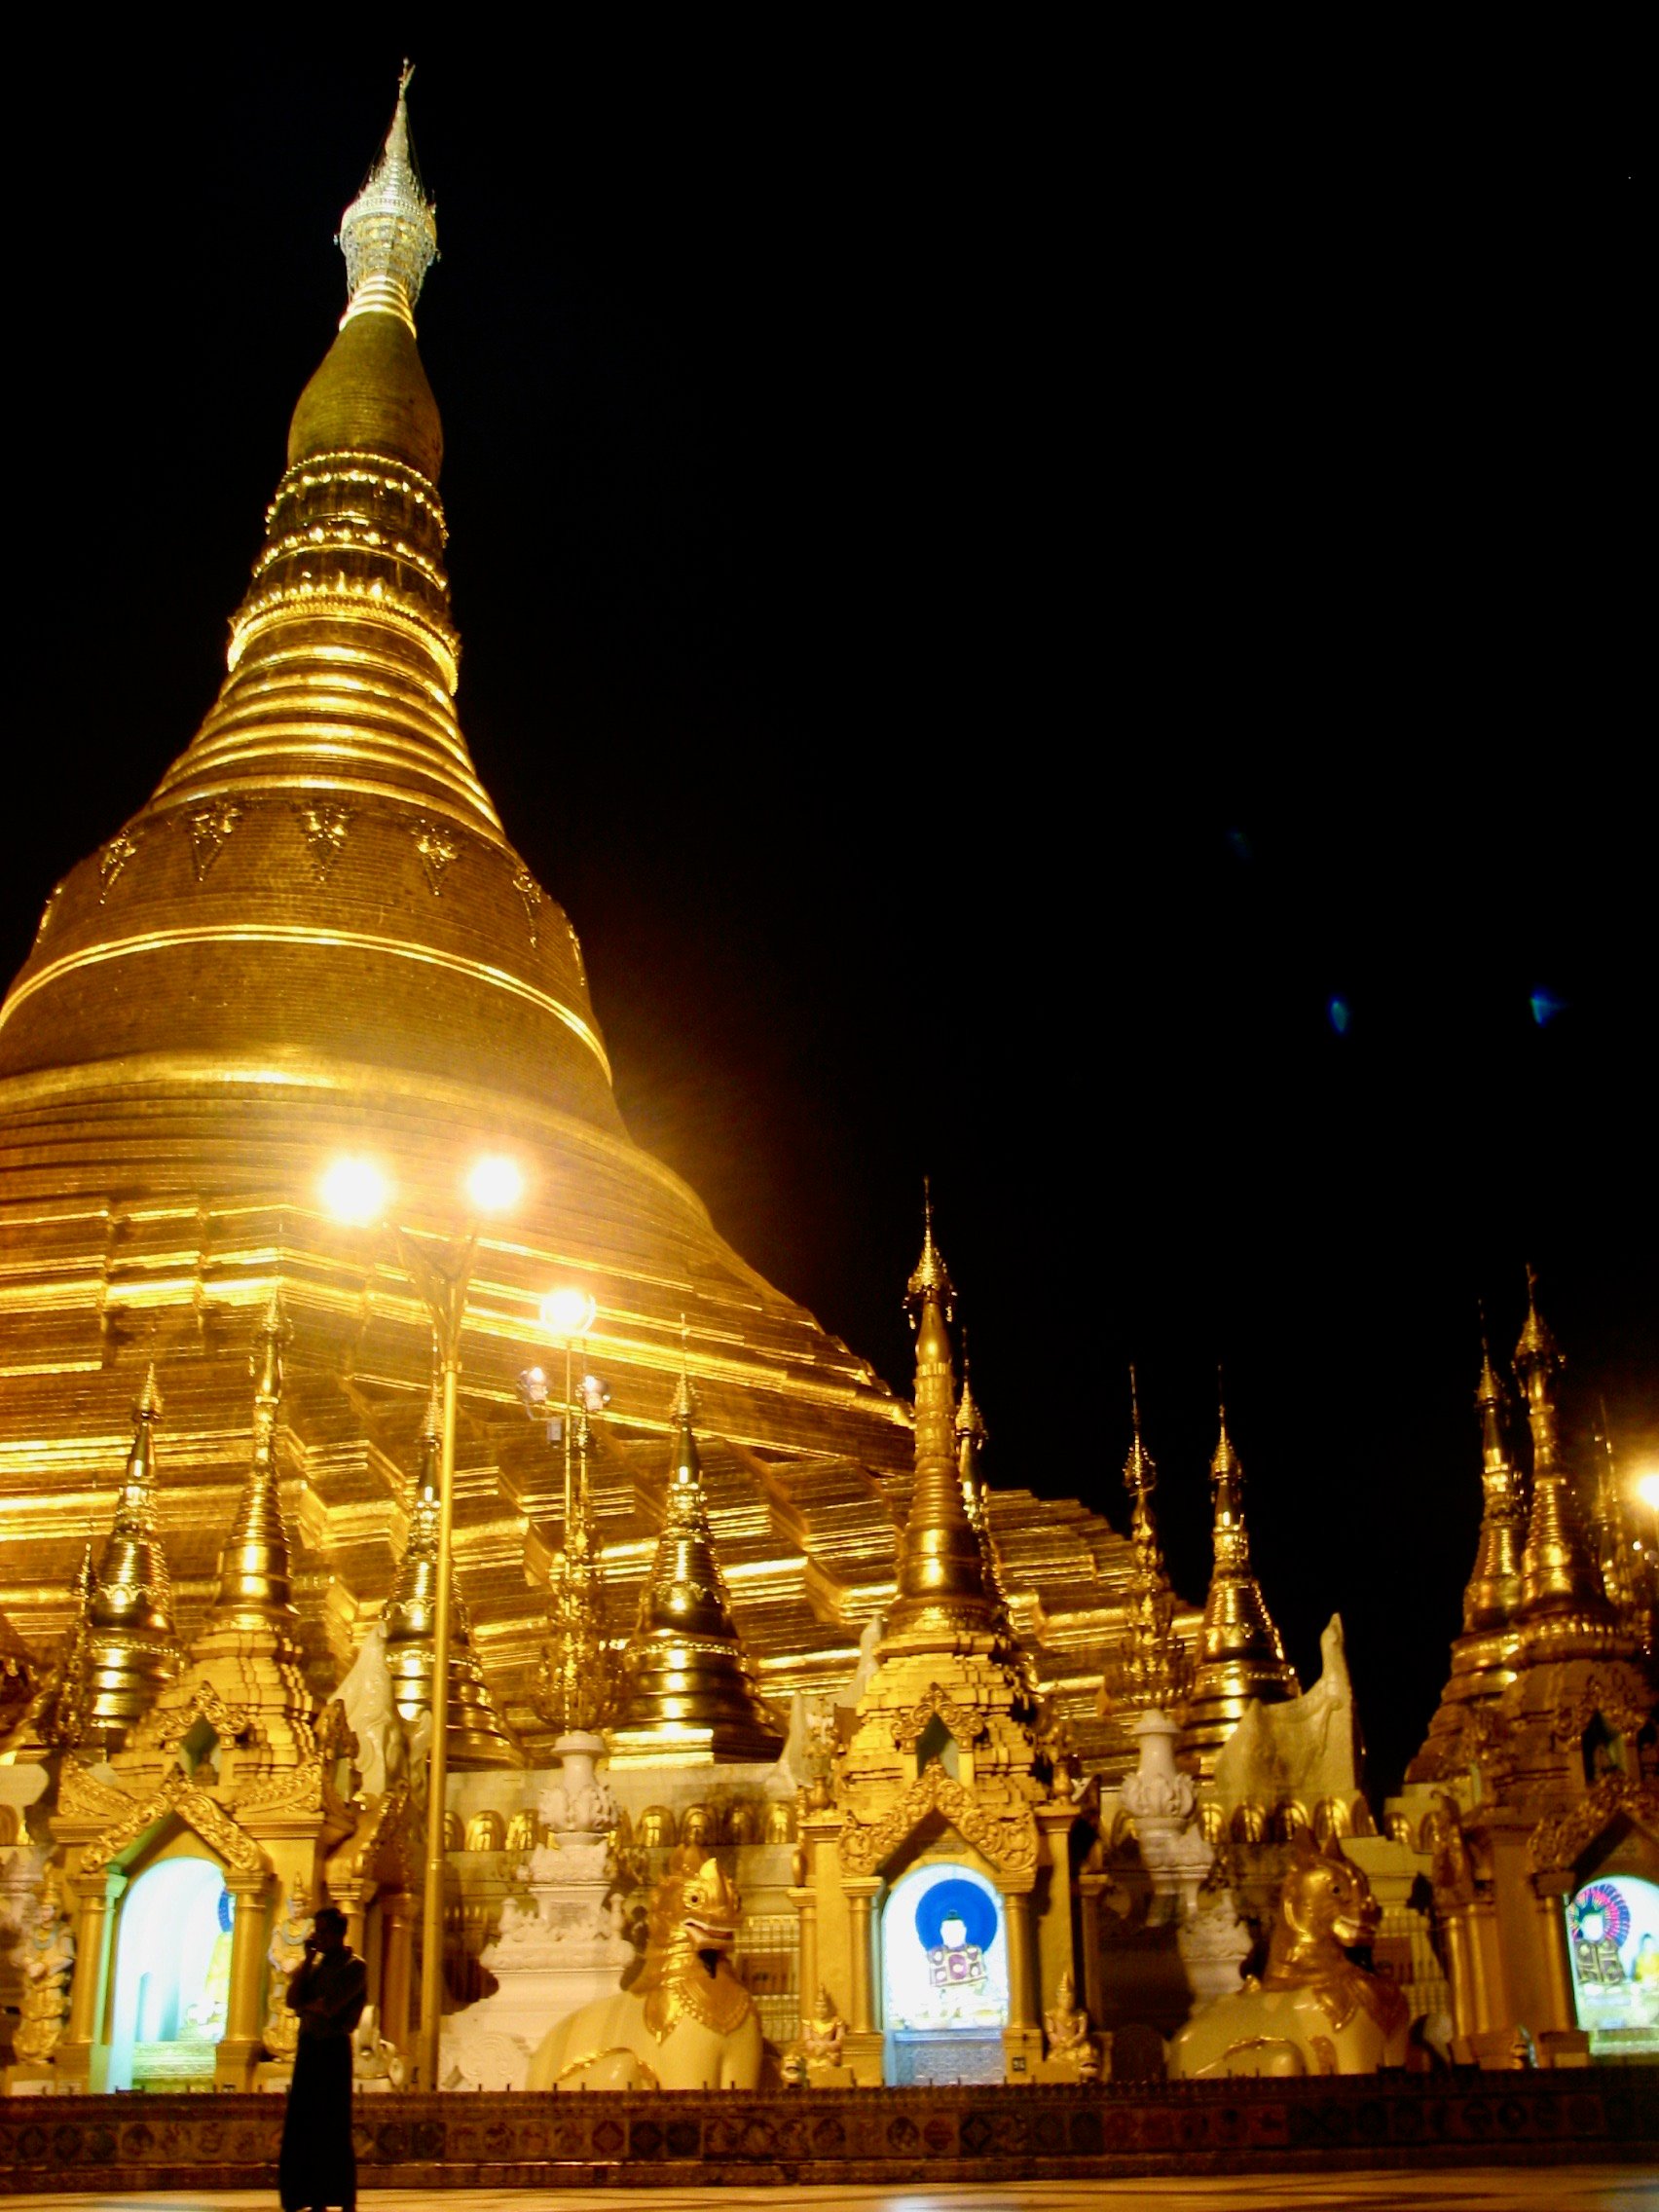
x=994, y=591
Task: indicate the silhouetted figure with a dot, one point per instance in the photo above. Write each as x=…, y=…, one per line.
x=318, y=2167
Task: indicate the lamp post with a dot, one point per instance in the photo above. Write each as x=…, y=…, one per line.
x=568, y=1315
x=356, y=1191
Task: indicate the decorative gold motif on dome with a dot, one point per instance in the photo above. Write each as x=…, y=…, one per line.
x=436, y=851
x=323, y=824
x=209, y=828
x=985, y=1817
x=113, y=856
x=529, y=890
x=577, y=953
x=47, y=911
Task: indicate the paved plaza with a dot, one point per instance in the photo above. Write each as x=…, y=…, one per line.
x=1491, y=2189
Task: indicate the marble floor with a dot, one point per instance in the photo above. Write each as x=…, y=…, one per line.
x=1512, y=2189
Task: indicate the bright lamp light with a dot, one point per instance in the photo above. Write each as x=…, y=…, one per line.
x=567, y=1312
x=1647, y=1489
x=495, y=1182
x=355, y=1191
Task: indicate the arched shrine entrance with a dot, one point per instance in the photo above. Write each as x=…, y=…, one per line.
x=945, y=1959
x=172, y=1977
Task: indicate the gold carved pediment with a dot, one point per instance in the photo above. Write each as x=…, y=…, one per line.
x=179, y=1798
x=965, y=1721
x=1006, y=1838
x=1557, y=1844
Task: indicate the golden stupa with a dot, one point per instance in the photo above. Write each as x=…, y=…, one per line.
x=316, y=938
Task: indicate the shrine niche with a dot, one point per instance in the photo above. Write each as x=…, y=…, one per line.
x=944, y=1974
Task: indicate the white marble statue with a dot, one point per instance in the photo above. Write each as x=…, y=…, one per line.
x=1302, y=1750
x=371, y=1713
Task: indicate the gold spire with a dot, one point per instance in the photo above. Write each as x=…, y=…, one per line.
x=1240, y=1652
x=1564, y=1611
x=688, y=1692
x=941, y=1576
x=478, y=1735
x=576, y=1683
x=128, y=1651
x=255, y=1584
x=971, y=1440
x=1150, y=1671
x=1494, y=1586
x=1484, y=1656
x=389, y=233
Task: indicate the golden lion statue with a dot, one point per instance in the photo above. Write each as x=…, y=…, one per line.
x=687, y=2022
x=1312, y=2011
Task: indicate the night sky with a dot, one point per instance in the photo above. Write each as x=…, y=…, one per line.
x=1051, y=628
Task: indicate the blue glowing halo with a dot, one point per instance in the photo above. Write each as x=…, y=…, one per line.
x=955, y=1900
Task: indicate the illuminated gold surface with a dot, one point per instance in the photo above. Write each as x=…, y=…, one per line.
x=576, y=1685
x=688, y=1690
x=477, y=1735
x=1563, y=1609
x=1153, y=1670
x=1240, y=1651
x=316, y=937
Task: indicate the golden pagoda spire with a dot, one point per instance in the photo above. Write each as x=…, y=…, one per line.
x=255, y=1575
x=941, y=1576
x=970, y=1440
x=1152, y=1672
x=389, y=233
x=576, y=1688
x=1564, y=1611
x=1494, y=1586
x=688, y=1694
x=1240, y=1652
x=130, y=1652
x=1611, y=1536
x=478, y=1734
x=1484, y=1656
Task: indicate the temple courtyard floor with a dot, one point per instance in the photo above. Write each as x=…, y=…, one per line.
x=1494, y=2188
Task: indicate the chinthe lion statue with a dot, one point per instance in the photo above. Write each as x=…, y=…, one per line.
x=687, y=2022
x=1314, y=2010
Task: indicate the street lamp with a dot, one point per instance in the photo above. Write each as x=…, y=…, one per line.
x=358, y=1190
x=568, y=1313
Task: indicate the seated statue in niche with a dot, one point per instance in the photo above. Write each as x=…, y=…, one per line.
x=656, y=1828
x=1070, y=2044
x=1312, y=2011
x=824, y=2035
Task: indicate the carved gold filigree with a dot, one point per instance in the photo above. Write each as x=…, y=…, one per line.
x=1555, y=1845
x=324, y=827
x=113, y=856
x=1616, y=1693
x=529, y=890
x=965, y=1722
x=179, y=1798
x=1009, y=1840
x=436, y=850
x=82, y=1796
x=210, y=829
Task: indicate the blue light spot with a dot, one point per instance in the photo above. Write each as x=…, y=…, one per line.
x=1545, y=1006
x=1340, y=1015
x=1239, y=845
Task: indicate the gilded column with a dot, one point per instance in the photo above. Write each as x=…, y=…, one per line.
x=1091, y=1882
x=1021, y=1993
x=396, y=1916
x=99, y=1889
x=244, y=2013
x=1055, y=1953
x=805, y=1902
x=860, y=1898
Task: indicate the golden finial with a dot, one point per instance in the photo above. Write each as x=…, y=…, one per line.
x=969, y=1421
x=255, y=1588
x=1537, y=1344
x=147, y=1405
x=1140, y=1471
x=930, y=1279
x=389, y=233
x=688, y=1684
x=1225, y=1462
x=684, y=1407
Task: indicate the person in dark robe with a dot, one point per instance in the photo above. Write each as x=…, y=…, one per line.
x=318, y=2167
